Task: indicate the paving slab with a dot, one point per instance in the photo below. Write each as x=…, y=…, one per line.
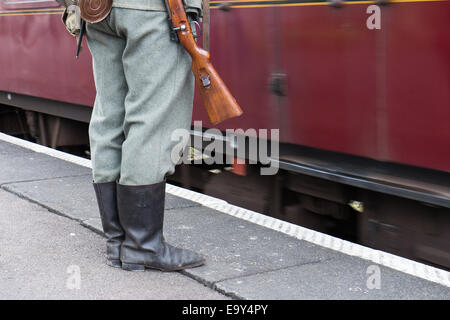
x=234, y=247
x=340, y=278
x=29, y=166
x=9, y=148
x=74, y=197
x=46, y=256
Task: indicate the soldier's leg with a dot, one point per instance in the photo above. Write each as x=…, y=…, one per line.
x=106, y=125
x=105, y=129
x=159, y=101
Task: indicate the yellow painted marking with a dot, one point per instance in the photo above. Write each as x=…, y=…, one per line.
x=33, y=10
x=29, y=12
x=301, y=4
x=319, y=3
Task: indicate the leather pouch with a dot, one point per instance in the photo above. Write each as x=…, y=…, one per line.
x=94, y=11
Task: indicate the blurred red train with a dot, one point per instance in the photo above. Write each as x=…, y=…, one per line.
x=363, y=113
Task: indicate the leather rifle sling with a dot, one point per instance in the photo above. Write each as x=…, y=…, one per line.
x=205, y=27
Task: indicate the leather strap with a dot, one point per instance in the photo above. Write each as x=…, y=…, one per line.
x=205, y=28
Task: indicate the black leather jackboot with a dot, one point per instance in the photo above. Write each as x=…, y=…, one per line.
x=107, y=204
x=141, y=214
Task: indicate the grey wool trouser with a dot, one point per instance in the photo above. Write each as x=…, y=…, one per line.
x=145, y=91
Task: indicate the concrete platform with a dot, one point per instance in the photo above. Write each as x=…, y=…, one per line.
x=46, y=256
x=247, y=258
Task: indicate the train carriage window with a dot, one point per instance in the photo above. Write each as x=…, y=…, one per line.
x=28, y=4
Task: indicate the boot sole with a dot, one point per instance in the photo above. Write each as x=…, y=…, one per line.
x=114, y=263
x=142, y=267
x=133, y=267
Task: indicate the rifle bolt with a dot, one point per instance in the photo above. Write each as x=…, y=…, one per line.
x=182, y=28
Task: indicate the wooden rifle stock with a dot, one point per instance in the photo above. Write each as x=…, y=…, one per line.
x=217, y=99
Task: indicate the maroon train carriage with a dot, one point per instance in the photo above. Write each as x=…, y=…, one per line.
x=361, y=98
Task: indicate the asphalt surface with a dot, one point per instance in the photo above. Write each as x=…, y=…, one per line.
x=47, y=256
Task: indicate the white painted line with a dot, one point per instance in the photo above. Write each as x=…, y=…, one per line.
x=46, y=150
x=404, y=265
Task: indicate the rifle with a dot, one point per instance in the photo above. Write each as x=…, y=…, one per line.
x=217, y=99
